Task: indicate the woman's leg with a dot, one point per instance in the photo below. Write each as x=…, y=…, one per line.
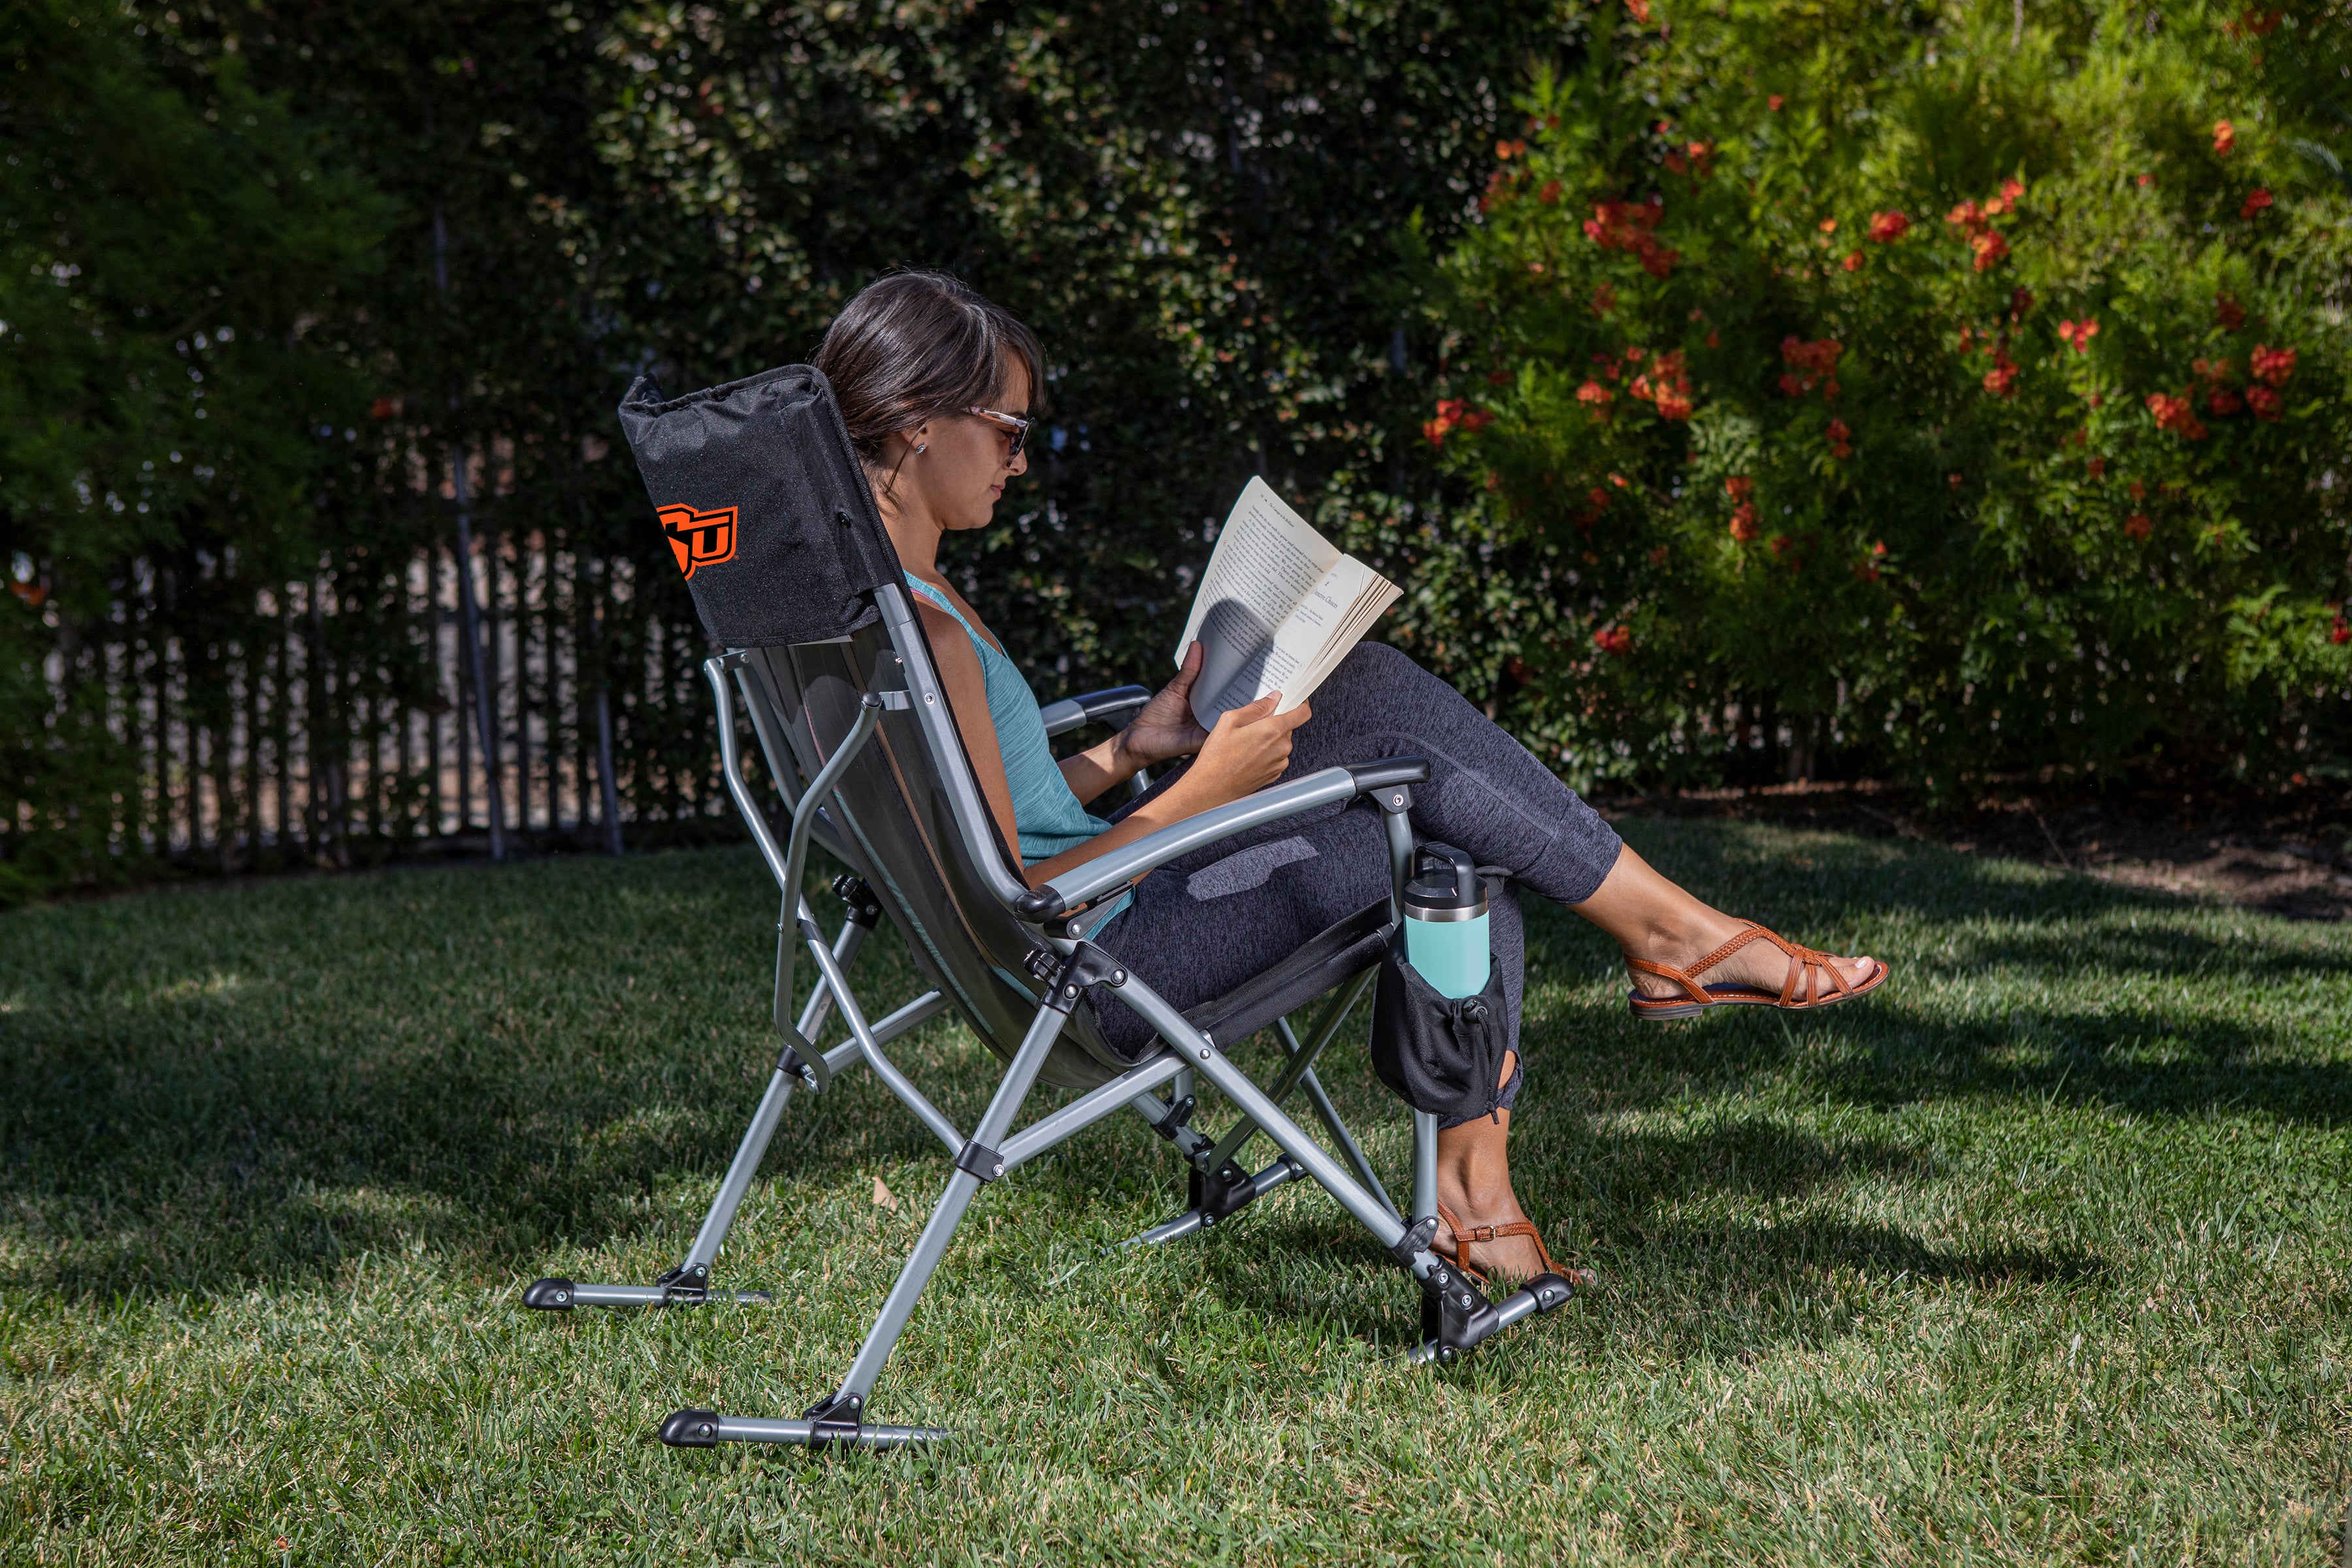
x=1488, y=795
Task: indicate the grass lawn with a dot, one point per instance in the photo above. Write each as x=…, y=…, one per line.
x=2043, y=1256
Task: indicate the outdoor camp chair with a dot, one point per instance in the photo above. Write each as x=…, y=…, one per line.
x=832, y=665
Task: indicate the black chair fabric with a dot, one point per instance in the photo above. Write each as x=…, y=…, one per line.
x=764, y=506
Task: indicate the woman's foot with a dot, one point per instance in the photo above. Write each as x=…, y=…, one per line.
x=1515, y=1258
x=1761, y=963
x=1657, y=921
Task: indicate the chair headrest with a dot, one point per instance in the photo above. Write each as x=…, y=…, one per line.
x=764, y=506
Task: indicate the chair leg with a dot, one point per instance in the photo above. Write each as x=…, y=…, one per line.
x=688, y=1283
x=840, y=1418
x=1218, y=1186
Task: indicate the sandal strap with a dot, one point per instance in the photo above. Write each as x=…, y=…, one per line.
x=1751, y=934
x=1464, y=1236
x=1691, y=987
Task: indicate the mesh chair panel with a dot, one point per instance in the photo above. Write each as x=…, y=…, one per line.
x=891, y=817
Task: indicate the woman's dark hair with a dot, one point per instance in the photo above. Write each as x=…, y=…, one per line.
x=915, y=346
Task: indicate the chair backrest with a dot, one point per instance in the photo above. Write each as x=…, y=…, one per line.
x=771, y=457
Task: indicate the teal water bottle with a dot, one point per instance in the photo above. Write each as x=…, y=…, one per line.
x=1445, y=921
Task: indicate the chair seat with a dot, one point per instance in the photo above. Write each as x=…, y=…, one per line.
x=1334, y=956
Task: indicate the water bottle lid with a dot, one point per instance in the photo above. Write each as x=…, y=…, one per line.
x=1446, y=886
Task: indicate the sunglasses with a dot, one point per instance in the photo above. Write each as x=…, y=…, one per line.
x=1015, y=429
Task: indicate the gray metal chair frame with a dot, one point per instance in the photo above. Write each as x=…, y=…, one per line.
x=858, y=739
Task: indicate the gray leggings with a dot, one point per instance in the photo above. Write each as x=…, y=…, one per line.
x=1203, y=925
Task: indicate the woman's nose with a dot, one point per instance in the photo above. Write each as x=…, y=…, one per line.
x=1020, y=463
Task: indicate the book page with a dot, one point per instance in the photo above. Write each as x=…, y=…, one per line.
x=1268, y=560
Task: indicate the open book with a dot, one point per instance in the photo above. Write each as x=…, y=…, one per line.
x=1278, y=610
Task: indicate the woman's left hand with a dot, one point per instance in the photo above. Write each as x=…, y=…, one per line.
x=1165, y=728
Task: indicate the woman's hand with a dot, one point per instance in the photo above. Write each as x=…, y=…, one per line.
x=1164, y=727
x=1246, y=752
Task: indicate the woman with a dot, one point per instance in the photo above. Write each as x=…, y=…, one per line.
x=934, y=383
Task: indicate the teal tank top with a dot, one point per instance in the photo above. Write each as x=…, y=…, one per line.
x=1049, y=815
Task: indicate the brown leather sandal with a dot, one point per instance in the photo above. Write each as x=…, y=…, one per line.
x=1582, y=1278
x=1807, y=970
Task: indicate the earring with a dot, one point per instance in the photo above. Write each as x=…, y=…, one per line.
x=921, y=447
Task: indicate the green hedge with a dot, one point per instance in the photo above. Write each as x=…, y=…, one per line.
x=1936, y=391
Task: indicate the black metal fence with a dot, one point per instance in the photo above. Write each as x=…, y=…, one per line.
x=236, y=723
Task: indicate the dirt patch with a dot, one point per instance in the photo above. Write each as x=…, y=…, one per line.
x=2288, y=855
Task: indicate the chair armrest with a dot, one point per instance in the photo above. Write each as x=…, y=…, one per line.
x=1071, y=712
x=1082, y=884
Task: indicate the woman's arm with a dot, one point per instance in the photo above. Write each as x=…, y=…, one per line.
x=1163, y=729
x=1246, y=752
x=967, y=694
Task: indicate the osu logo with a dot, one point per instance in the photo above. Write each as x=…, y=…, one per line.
x=699, y=538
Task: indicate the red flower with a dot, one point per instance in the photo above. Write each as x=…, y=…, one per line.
x=2001, y=379
x=2079, y=333
x=1841, y=439
x=1888, y=226
x=2273, y=365
x=1774, y=102
x=1853, y=263
x=2223, y=403
x=2265, y=403
x=1743, y=521
x=1615, y=639
x=1598, y=497
x=1549, y=193
x=2225, y=138
x=1958, y=480
x=1626, y=225
x=1828, y=225
x=382, y=408
x=1604, y=300
x=2138, y=490
x=2098, y=466
x=1639, y=9
x=2228, y=313
x=2175, y=414
x=1990, y=248
x=1967, y=214
x=1740, y=486
x=2342, y=631
x=1817, y=362
x=2256, y=200
x=1785, y=548
x=2146, y=179
x=1595, y=397
x=1453, y=414
x=2139, y=526
x=2010, y=190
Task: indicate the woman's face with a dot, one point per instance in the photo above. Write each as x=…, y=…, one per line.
x=962, y=469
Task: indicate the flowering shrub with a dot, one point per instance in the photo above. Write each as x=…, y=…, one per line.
x=1767, y=461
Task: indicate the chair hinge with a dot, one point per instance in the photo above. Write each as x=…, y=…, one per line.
x=1170, y=1125
x=979, y=1160
x=1415, y=1240
x=814, y=1075
x=835, y=1419
x=865, y=909
x=1086, y=965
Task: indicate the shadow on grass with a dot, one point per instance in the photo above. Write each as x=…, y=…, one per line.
x=202, y=1089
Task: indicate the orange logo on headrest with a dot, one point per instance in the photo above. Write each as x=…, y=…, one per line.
x=699, y=538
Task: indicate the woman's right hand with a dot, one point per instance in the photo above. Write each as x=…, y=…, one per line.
x=1246, y=752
